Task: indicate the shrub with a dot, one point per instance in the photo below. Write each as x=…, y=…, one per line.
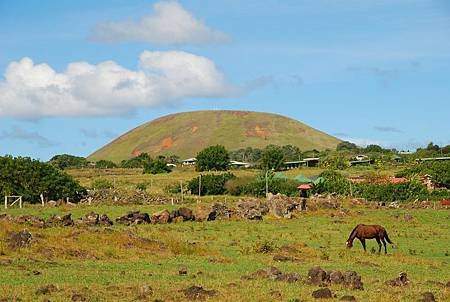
x=101, y=183
x=156, y=166
x=258, y=187
x=439, y=171
x=30, y=178
x=213, y=158
x=136, y=162
x=272, y=158
x=105, y=164
x=211, y=184
x=66, y=161
x=234, y=185
x=141, y=186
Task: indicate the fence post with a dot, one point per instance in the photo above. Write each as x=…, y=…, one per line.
x=42, y=199
x=181, y=190
x=20, y=202
x=6, y=202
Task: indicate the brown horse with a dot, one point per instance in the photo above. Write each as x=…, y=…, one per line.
x=363, y=232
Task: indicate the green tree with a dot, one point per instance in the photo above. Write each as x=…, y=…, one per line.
x=213, y=158
x=272, y=158
x=156, y=166
x=347, y=146
x=136, y=162
x=30, y=178
x=105, y=164
x=66, y=161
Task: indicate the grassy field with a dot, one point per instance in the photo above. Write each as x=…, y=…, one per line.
x=119, y=263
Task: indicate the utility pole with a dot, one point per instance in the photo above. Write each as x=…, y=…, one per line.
x=181, y=189
x=200, y=186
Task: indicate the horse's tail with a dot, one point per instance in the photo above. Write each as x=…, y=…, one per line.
x=387, y=238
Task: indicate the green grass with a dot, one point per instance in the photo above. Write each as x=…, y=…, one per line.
x=111, y=264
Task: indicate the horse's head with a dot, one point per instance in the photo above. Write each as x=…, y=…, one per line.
x=349, y=243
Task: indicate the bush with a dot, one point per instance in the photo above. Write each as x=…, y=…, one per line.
x=258, y=187
x=101, y=183
x=156, y=166
x=211, y=184
x=272, y=158
x=136, y=162
x=30, y=178
x=213, y=158
x=439, y=171
x=105, y=164
x=334, y=182
x=141, y=186
x=234, y=185
x=66, y=161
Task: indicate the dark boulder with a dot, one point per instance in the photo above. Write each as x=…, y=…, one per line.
x=322, y=293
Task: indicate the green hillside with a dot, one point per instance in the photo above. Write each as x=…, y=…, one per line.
x=185, y=134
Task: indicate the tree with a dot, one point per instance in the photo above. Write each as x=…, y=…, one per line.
x=156, y=166
x=105, y=164
x=213, y=158
x=30, y=178
x=272, y=158
x=347, y=146
x=373, y=148
x=136, y=162
x=65, y=161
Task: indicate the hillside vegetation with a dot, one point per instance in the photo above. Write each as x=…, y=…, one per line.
x=185, y=134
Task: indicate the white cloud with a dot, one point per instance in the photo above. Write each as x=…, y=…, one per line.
x=36, y=90
x=169, y=24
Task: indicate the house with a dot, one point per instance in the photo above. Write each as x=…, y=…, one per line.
x=432, y=159
x=361, y=162
x=189, y=161
x=361, y=157
x=239, y=164
x=308, y=162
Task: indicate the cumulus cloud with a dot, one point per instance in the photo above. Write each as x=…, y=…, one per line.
x=170, y=23
x=17, y=133
x=36, y=90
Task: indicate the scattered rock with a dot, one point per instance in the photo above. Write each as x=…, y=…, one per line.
x=183, y=214
x=135, y=217
x=427, y=297
x=350, y=279
x=353, y=280
x=20, y=239
x=348, y=298
x=198, y=293
x=276, y=294
x=183, y=271
x=144, y=291
x=252, y=209
x=47, y=289
x=78, y=298
x=282, y=258
x=408, y=217
x=30, y=220
x=401, y=280
x=282, y=206
x=448, y=284
x=318, y=276
x=104, y=220
x=272, y=273
x=322, y=293
x=161, y=217
x=56, y=220
x=203, y=214
x=221, y=212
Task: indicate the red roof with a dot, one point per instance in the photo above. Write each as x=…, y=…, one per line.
x=304, y=187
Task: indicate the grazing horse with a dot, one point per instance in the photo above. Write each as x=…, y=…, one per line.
x=363, y=232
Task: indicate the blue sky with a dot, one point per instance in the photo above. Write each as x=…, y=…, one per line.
x=75, y=74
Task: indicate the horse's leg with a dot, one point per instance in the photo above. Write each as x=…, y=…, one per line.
x=384, y=243
x=363, y=242
x=379, y=244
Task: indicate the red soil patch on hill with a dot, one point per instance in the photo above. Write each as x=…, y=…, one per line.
x=258, y=131
x=166, y=143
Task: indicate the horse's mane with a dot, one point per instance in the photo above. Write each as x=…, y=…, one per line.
x=351, y=234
